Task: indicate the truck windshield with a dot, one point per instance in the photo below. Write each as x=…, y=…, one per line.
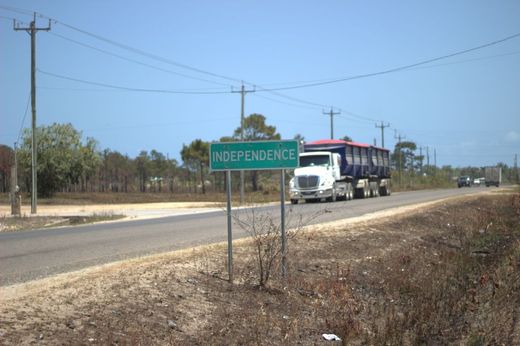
x=316, y=160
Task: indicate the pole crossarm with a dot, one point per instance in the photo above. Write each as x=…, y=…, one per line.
x=382, y=127
x=331, y=113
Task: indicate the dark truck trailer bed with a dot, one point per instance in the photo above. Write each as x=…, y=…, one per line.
x=358, y=160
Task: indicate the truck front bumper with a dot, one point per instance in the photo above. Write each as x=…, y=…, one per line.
x=310, y=194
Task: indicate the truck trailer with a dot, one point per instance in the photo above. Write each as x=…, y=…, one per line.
x=493, y=176
x=336, y=169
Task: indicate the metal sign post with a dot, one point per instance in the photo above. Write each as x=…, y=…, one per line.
x=229, y=231
x=282, y=226
x=259, y=155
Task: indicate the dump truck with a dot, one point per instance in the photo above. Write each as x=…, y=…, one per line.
x=335, y=169
x=493, y=176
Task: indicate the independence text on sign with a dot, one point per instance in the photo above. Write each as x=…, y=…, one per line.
x=254, y=155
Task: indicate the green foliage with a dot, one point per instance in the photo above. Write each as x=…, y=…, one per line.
x=346, y=138
x=196, y=158
x=255, y=128
x=6, y=161
x=62, y=157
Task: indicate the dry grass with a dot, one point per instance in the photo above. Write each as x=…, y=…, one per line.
x=447, y=275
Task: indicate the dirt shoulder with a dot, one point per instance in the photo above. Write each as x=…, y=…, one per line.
x=442, y=272
x=69, y=215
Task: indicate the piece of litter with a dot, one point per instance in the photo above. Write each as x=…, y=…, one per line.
x=331, y=337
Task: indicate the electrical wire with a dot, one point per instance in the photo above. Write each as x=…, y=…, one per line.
x=397, y=69
x=261, y=89
x=136, y=61
x=23, y=120
x=112, y=86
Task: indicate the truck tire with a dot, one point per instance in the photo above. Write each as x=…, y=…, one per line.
x=294, y=201
x=334, y=196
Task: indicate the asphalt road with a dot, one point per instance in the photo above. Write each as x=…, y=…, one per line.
x=30, y=255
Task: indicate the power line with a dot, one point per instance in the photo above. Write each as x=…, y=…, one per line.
x=136, y=61
x=396, y=69
x=24, y=116
x=17, y=10
x=168, y=61
x=143, y=53
x=106, y=85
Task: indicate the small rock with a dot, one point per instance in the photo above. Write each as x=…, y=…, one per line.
x=172, y=324
x=40, y=337
x=70, y=324
x=192, y=281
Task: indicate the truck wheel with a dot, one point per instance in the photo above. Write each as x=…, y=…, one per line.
x=294, y=201
x=334, y=196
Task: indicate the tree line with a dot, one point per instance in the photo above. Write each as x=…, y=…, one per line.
x=69, y=163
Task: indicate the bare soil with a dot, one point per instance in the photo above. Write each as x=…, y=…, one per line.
x=447, y=273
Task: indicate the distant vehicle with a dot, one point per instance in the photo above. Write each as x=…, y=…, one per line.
x=493, y=176
x=464, y=181
x=476, y=182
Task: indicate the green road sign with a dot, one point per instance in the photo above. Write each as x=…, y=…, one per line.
x=237, y=156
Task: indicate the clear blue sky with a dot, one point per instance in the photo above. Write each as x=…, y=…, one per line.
x=467, y=107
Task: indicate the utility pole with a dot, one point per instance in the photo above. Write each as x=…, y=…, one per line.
x=516, y=168
x=435, y=157
x=422, y=158
x=382, y=127
x=32, y=30
x=243, y=93
x=332, y=114
x=428, y=157
x=400, y=156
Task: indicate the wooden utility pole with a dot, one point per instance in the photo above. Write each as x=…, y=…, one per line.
x=400, y=156
x=516, y=168
x=382, y=127
x=332, y=114
x=243, y=93
x=32, y=30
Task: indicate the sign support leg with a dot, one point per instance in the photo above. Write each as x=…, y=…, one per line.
x=282, y=220
x=230, y=235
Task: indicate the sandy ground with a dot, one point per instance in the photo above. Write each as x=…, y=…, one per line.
x=133, y=211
